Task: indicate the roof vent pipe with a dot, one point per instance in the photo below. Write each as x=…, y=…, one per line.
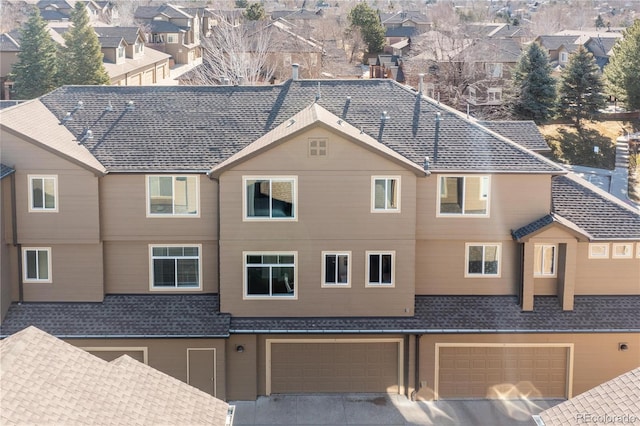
x=226, y=81
x=294, y=71
x=421, y=84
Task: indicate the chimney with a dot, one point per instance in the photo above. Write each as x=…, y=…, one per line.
x=421, y=84
x=294, y=71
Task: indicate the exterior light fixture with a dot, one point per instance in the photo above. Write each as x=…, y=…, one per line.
x=239, y=348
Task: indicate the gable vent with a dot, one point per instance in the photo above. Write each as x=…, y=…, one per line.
x=317, y=147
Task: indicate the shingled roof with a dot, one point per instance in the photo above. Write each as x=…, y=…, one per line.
x=123, y=316
x=193, y=128
x=525, y=132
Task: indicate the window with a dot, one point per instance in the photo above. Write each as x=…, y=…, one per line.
x=270, y=274
x=544, y=256
x=385, y=194
x=622, y=251
x=138, y=47
x=43, y=193
x=317, y=147
x=172, y=195
x=36, y=265
x=472, y=94
x=175, y=267
x=483, y=260
x=598, y=251
x=494, y=70
x=270, y=198
x=121, y=51
x=494, y=95
x=380, y=269
x=172, y=38
x=335, y=269
x=564, y=57
x=464, y=195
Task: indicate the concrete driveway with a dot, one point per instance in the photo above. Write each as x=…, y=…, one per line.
x=383, y=409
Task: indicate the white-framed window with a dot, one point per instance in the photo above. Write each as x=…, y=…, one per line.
x=622, y=250
x=638, y=250
x=336, y=269
x=482, y=259
x=494, y=70
x=544, y=257
x=269, y=198
x=172, y=38
x=43, y=193
x=564, y=57
x=270, y=275
x=385, y=194
x=598, y=251
x=172, y=196
x=36, y=264
x=175, y=267
x=121, y=51
x=464, y=195
x=138, y=47
x=380, y=268
x=494, y=94
x=472, y=94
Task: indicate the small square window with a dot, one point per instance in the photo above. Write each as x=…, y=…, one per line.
x=622, y=251
x=317, y=147
x=598, y=251
x=385, y=194
x=336, y=270
x=36, y=264
x=43, y=193
x=380, y=269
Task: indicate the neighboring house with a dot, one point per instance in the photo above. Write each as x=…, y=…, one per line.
x=561, y=45
x=126, y=59
x=171, y=29
x=48, y=381
x=60, y=10
x=406, y=19
x=313, y=236
x=9, y=50
x=616, y=401
x=387, y=66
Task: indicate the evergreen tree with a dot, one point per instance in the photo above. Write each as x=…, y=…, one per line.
x=580, y=92
x=80, y=57
x=622, y=74
x=255, y=12
x=599, y=22
x=535, y=88
x=368, y=22
x=35, y=72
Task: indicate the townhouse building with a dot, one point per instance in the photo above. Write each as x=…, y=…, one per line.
x=313, y=236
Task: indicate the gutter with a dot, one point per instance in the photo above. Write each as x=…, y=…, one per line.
x=437, y=331
x=134, y=336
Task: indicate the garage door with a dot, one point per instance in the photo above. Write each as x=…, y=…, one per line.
x=316, y=367
x=502, y=372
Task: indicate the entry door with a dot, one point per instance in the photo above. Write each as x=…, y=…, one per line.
x=201, y=369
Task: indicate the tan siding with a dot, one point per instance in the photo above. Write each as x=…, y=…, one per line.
x=6, y=266
x=124, y=212
x=606, y=276
x=76, y=272
x=168, y=355
x=127, y=266
x=440, y=268
x=242, y=367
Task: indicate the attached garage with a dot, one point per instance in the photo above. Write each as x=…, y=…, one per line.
x=504, y=371
x=333, y=365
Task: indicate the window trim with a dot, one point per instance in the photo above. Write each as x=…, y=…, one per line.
x=638, y=250
x=368, y=283
x=173, y=200
x=629, y=254
x=270, y=178
x=467, y=274
x=175, y=288
x=386, y=178
x=604, y=255
x=323, y=277
x=541, y=273
x=33, y=209
x=486, y=197
x=245, y=277
x=25, y=266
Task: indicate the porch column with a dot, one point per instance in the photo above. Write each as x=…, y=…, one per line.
x=527, y=277
x=567, y=273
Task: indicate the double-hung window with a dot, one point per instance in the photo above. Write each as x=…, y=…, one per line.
x=175, y=267
x=43, y=193
x=172, y=196
x=270, y=274
x=380, y=269
x=36, y=264
x=483, y=260
x=544, y=256
x=269, y=198
x=464, y=195
x=335, y=269
x=385, y=194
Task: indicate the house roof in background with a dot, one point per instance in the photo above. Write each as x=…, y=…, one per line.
x=501, y=50
x=5, y=171
x=129, y=34
x=168, y=10
x=554, y=42
x=525, y=132
x=401, y=32
x=89, y=390
x=404, y=16
x=152, y=135
x=123, y=316
x=9, y=43
x=151, y=56
x=617, y=397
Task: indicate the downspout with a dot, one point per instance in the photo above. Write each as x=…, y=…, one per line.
x=14, y=231
x=417, y=368
x=406, y=364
